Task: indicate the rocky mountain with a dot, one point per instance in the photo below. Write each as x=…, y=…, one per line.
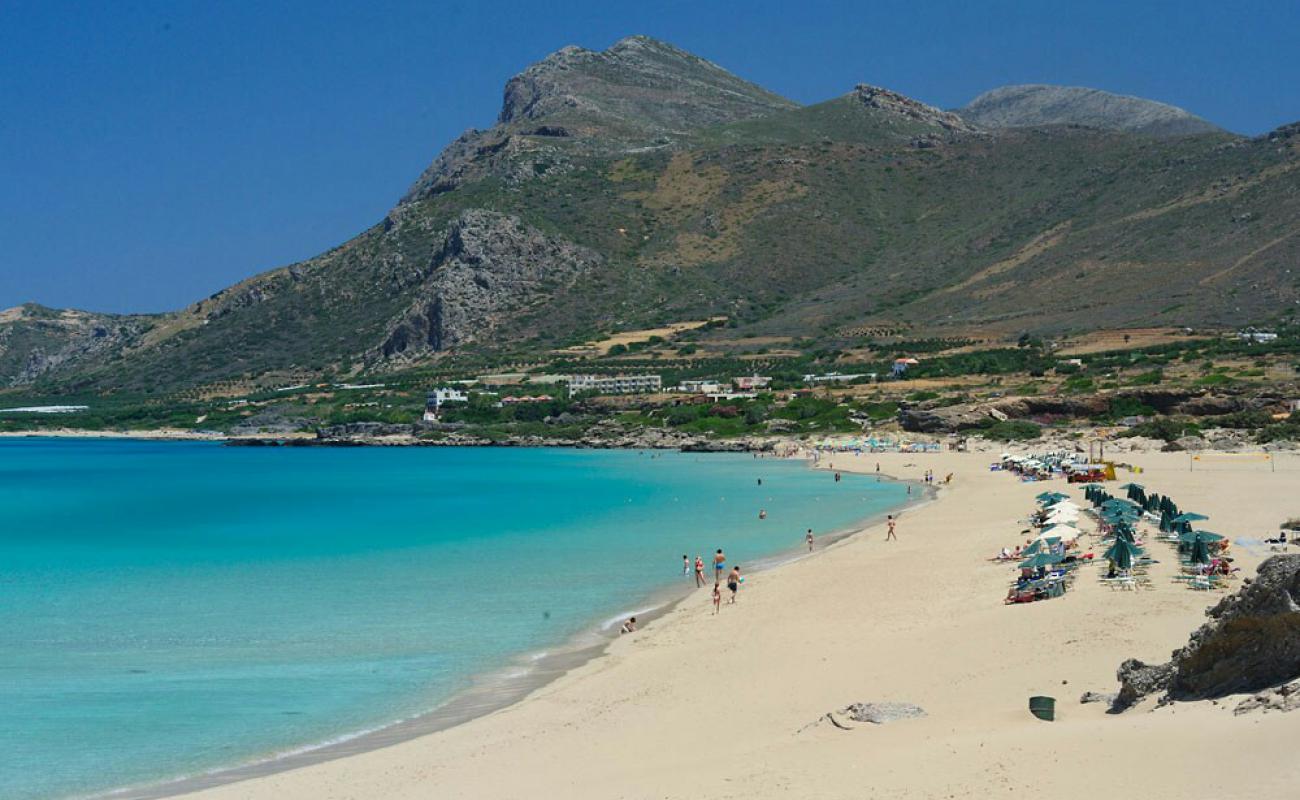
x=35, y=340
x=1032, y=105
x=641, y=185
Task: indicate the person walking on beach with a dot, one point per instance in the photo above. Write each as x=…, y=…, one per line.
x=808, y=537
x=733, y=583
x=719, y=564
x=699, y=572
x=717, y=598
x=891, y=534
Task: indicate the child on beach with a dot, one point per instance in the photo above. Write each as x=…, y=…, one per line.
x=629, y=626
x=891, y=534
x=717, y=598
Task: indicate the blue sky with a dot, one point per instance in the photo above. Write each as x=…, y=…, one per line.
x=152, y=153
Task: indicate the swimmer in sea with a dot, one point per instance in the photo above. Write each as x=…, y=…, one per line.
x=762, y=513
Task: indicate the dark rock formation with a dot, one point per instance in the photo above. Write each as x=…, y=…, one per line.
x=1251, y=642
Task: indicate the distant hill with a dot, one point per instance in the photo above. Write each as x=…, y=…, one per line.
x=1032, y=105
x=641, y=185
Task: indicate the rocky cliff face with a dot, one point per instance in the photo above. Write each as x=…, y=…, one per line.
x=36, y=341
x=1251, y=642
x=1037, y=104
x=490, y=265
x=639, y=93
x=904, y=107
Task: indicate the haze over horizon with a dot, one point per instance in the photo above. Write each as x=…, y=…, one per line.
x=157, y=155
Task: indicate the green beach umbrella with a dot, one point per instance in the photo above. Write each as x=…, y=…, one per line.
x=1189, y=516
x=1132, y=486
x=1122, y=553
x=1208, y=536
x=1033, y=549
x=1041, y=560
x=1200, y=553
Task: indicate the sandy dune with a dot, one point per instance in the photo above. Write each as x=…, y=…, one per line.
x=702, y=706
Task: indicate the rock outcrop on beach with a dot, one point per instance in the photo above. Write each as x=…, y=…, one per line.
x=1251, y=643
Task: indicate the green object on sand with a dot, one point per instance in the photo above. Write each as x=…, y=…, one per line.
x=1041, y=560
x=1043, y=707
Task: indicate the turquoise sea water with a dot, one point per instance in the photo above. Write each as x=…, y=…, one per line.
x=170, y=608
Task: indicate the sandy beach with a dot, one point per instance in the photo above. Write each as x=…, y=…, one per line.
x=719, y=706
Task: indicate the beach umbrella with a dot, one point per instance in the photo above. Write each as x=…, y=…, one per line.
x=1166, y=522
x=1189, y=516
x=1061, y=529
x=1048, y=497
x=1125, y=533
x=1208, y=536
x=1200, y=553
x=1122, y=553
x=1041, y=560
x=1132, y=486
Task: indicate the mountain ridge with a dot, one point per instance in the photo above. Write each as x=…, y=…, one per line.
x=580, y=213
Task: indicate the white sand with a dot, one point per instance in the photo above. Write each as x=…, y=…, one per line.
x=702, y=706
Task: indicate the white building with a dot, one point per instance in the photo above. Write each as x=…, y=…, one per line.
x=750, y=383
x=1259, y=337
x=616, y=384
x=446, y=394
x=837, y=377
x=700, y=387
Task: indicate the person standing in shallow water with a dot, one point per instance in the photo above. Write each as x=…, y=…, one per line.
x=686, y=564
x=719, y=564
x=699, y=572
x=891, y=534
x=808, y=537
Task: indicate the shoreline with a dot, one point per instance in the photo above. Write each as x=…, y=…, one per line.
x=920, y=620
x=506, y=686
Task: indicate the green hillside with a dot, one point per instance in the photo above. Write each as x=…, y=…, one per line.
x=641, y=185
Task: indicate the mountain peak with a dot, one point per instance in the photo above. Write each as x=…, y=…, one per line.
x=1030, y=105
x=639, y=84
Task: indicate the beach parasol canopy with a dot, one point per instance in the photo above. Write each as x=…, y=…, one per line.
x=1208, y=536
x=1200, y=553
x=1060, y=529
x=1132, y=486
x=1189, y=516
x=1122, y=553
x=1041, y=560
